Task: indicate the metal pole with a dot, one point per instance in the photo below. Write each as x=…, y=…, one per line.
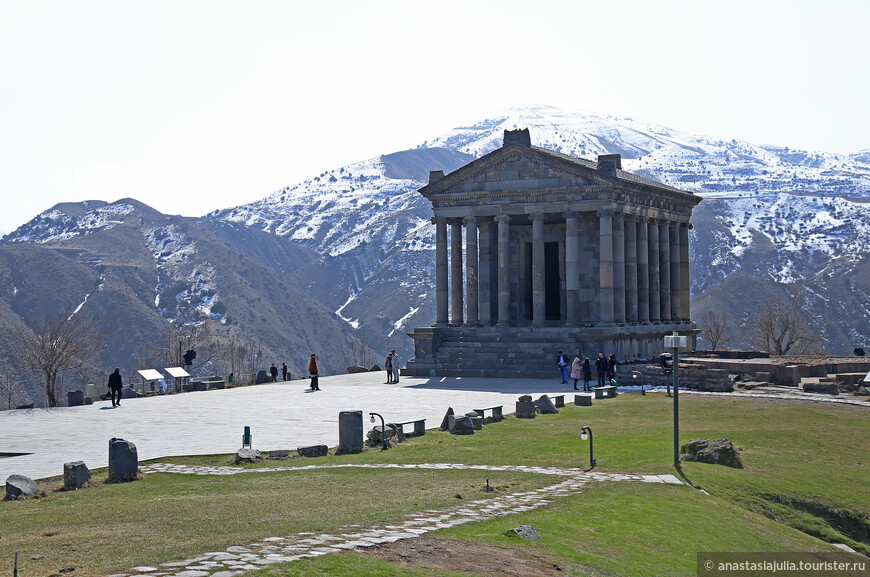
x=676, y=408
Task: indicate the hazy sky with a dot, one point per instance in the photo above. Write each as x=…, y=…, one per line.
x=192, y=106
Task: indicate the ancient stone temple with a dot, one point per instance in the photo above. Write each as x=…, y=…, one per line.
x=537, y=252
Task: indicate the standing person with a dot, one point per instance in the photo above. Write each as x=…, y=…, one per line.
x=388, y=364
x=396, y=366
x=575, y=371
x=563, y=362
x=611, y=369
x=587, y=374
x=274, y=372
x=313, y=373
x=115, y=387
x=601, y=365
x=284, y=371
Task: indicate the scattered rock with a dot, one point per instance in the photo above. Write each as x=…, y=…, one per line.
x=526, y=409
x=247, y=456
x=278, y=455
x=445, y=423
x=476, y=420
x=129, y=393
x=525, y=399
x=20, y=487
x=546, y=406
x=524, y=532
x=461, y=425
x=123, y=460
x=356, y=369
x=719, y=452
x=350, y=432
x=374, y=369
x=75, y=475
x=313, y=451
x=375, y=437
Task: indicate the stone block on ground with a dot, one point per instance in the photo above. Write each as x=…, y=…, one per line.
x=526, y=409
x=461, y=426
x=445, y=422
x=375, y=437
x=827, y=388
x=559, y=401
x=375, y=368
x=75, y=398
x=583, y=400
x=129, y=393
x=356, y=369
x=313, y=451
x=89, y=401
x=123, y=460
x=546, y=405
x=278, y=455
x=350, y=432
x=262, y=377
x=524, y=532
x=719, y=452
x=75, y=475
x=247, y=456
x=20, y=487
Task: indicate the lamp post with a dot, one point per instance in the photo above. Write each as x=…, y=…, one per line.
x=638, y=378
x=676, y=342
x=384, y=440
x=587, y=432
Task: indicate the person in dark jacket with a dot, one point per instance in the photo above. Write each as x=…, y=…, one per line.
x=284, y=371
x=601, y=369
x=274, y=372
x=313, y=372
x=115, y=387
x=611, y=368
x=563, y=363
x=388, y=364
x=586, y=369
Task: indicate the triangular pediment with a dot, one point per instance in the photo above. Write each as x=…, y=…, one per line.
x=518, y=168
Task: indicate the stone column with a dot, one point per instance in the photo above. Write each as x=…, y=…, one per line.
x=605, y=258
x=572, y=268
x=456, y=272
x=685, y=296
x=538, y=295
x=630, y=269
x=619, y=268
x=504, y=273
x=642, y=271
x=665, y=271
x=471, y=260
x=674, y=232
x=440, y=271
x=655, y=314
x=483, y=276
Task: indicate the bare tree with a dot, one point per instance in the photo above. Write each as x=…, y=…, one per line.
x=358, y=353
x=10, y=385
x=55, y=344
x=782, y=327
x=239, y=357
x=715, y=329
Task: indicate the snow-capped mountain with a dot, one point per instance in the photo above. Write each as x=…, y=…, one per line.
x=354, y=248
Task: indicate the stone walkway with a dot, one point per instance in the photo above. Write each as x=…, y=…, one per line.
x=239, y=559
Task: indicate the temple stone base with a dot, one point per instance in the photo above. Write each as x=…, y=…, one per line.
x=530, y=352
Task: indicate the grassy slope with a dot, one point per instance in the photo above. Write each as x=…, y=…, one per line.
x=811, y=455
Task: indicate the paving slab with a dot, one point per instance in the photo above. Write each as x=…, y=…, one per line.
x=282, y=415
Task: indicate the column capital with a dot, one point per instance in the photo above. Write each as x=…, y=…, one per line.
x=469, y=220
x=539, y=216
x=502, y=218
x=604, y=212
x=438, y=220
x=570, y=214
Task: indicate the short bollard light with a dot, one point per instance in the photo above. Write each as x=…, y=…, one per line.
x=584, y=433
x=637, y=377
x=246, y=438
x=384, y=439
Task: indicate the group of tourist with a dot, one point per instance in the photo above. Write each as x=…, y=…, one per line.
x=605, y=369
x=273, y=372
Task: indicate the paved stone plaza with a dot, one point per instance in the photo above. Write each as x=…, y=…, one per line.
x=281, y=416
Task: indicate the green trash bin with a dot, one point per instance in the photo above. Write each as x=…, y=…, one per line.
x=246, y=438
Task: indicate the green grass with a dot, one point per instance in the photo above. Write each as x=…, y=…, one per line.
x=806, y=468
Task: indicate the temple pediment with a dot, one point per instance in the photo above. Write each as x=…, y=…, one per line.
x=516, y=169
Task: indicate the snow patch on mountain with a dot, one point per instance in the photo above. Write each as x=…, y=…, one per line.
x=55, y=224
